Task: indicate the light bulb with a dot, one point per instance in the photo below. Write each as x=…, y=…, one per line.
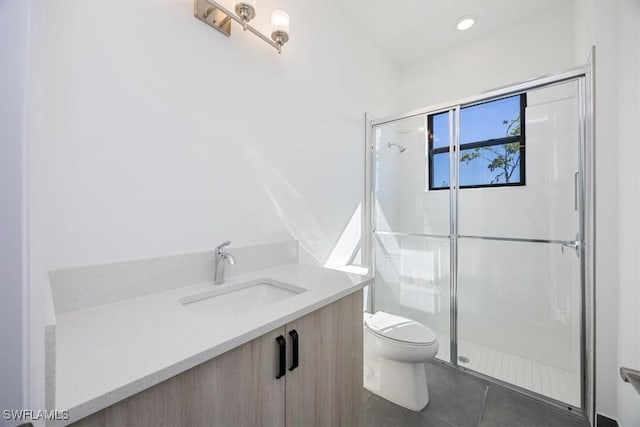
x=465, y=23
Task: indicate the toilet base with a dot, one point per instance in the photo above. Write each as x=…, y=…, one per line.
x=404, y=384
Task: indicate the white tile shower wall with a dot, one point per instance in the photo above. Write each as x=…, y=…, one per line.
x=412, y=273
x=386, y=182
x=511, y=299
x=160, y=136
x=83, y=287
x=412, y=279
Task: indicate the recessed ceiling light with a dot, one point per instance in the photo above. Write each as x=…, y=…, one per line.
x=465, y=23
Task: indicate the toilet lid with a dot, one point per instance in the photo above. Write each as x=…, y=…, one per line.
x=399, y=328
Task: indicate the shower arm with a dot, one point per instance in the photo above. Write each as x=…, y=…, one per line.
x=401, y=149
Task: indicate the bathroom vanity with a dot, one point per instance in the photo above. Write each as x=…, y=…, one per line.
x=279, y=345
x=319, y=383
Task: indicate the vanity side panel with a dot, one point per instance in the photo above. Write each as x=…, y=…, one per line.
x=237, y=388
x=326, y=388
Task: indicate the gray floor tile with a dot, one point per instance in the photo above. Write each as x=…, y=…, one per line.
x=460, y=400
x=509, y=409
x=365, y=394
x=379, y=412
x=455, y=397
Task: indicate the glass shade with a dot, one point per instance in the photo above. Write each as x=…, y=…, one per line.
x=279, y=21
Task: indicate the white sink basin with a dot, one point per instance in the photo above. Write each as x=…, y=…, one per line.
x=240, y=297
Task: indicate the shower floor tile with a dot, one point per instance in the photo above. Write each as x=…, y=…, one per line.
x=547, y=380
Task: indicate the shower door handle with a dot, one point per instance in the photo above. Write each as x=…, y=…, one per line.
x=575, y=191
x=574, y=244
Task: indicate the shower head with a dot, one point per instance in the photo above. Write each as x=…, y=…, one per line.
x=400, y=147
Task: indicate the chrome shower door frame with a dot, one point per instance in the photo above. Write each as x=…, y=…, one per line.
x=586, y=203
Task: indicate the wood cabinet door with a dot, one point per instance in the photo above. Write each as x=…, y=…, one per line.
x=326, y=387
x=237, y=388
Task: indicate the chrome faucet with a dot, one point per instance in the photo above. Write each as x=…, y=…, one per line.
x=221, y=260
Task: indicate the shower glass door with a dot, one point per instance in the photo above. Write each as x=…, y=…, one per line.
x=519, y=273
x=411, y=226
x=478, y=230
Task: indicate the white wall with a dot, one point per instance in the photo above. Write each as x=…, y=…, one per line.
x=153, y=134
x=14, y=390
x=628, y=122
x=587, y=25
x=607, y=208
x=162, y=136
x=613, y=27
x=541, y=44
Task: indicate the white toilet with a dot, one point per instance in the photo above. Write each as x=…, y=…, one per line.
x=395, y=350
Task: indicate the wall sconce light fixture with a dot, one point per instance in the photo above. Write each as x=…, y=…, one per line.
x=216, y=16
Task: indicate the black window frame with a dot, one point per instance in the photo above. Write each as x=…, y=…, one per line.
x=479, y=144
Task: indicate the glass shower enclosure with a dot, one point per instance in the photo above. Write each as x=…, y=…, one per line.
x=477, y=229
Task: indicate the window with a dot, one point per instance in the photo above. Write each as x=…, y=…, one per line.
x=492, y=145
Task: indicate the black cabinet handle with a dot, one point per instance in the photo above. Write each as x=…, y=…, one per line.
x=294, y=341
x=282, y=345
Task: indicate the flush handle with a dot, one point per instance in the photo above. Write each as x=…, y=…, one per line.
x=282, y=347
x=294, y=355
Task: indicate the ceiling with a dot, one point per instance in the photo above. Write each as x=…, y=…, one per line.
x=411, y=30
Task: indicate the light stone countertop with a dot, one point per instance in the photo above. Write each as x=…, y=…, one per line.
x=107, y=353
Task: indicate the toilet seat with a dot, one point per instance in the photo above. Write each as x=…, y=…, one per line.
x=399, y=329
